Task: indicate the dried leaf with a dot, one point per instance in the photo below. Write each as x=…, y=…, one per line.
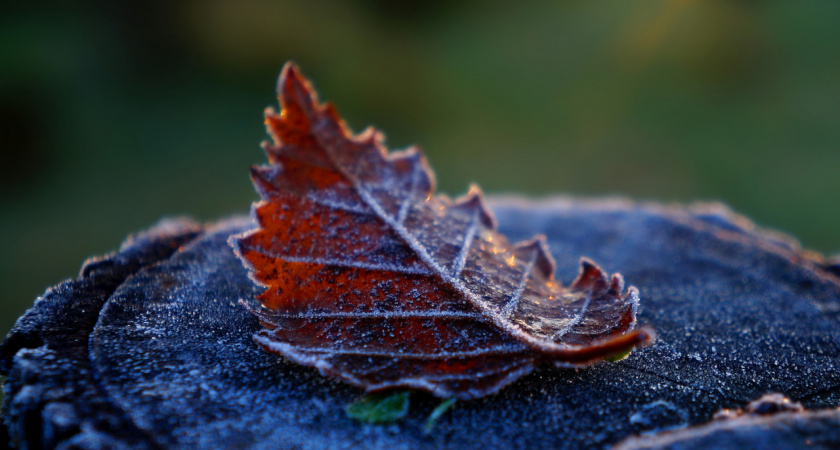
x=377, y=281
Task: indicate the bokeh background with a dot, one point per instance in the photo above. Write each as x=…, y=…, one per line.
x=116, y=113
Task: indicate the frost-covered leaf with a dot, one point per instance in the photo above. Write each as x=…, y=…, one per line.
x=375, y=280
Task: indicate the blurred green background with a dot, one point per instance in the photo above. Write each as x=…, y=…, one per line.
x=114, y=114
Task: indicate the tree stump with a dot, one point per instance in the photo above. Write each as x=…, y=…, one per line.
x=149, y=347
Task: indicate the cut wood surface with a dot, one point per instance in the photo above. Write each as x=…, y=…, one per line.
x=150, y=346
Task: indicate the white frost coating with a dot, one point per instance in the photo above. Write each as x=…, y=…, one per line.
x=633, y=295
x=660, y=415
x=432, y=384
x=341, y=206
x=441, y=390
x=469, y=236
x=379, y=315
x=290, y=351
x=329, y=352
x=470, y=376
x=576, y=320
x=406, y=201
x=341, y=263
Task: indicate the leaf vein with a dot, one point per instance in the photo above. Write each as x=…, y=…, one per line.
x=520, y=289
x=381, y=315
x=341, y=263
x=461, y=260
x=578, y=317
x=406, y=201
x=331, y=352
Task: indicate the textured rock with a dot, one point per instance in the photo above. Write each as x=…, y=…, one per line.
x=158, y=352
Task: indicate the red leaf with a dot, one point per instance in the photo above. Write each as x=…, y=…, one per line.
x=376, y=281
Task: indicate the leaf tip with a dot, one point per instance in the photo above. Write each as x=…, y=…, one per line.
x=411, y=160
x=296, y=94
x=590, y=277
x=543, y=261
x=616, y=285
x=290, y=74
x=262, y=177
x=473, y=201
